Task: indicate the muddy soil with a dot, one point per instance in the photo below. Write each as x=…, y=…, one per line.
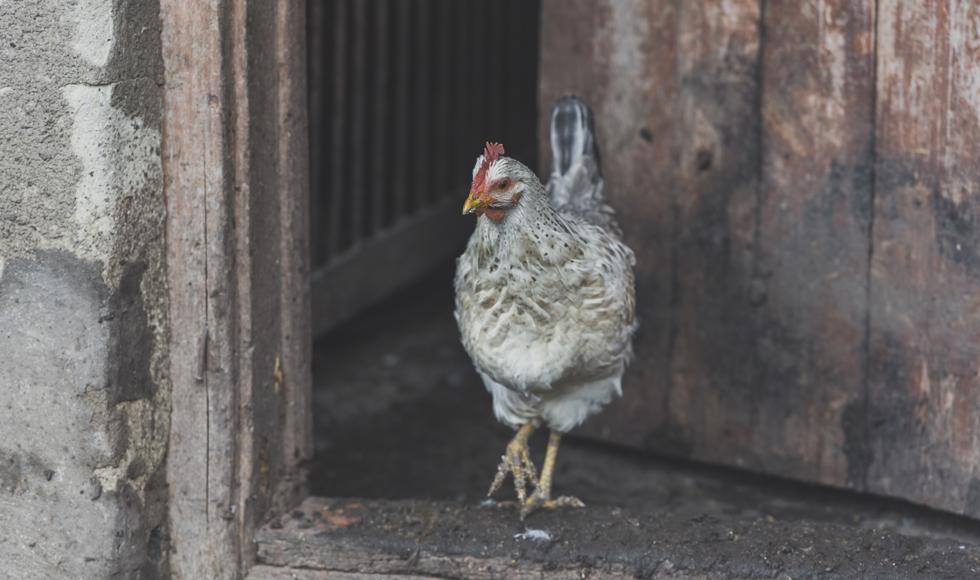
x=400, y=414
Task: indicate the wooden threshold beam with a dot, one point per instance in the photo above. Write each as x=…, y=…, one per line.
x=327, y=539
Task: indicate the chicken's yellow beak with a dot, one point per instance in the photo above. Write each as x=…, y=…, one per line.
x=473, y=204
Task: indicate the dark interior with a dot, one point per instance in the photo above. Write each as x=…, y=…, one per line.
x=402, y=97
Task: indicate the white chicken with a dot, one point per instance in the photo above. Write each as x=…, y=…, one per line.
x=544, y=295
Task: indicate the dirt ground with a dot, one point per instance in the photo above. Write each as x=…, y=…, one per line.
x=400, y=414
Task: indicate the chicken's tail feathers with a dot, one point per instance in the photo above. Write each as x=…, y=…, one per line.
x=576, y=181
x=573, y=137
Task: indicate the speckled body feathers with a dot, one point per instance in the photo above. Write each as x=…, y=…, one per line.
x=544, y=295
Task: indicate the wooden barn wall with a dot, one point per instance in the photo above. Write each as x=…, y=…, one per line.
x=800, y=182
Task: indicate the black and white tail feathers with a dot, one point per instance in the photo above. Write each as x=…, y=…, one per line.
x=576, y=182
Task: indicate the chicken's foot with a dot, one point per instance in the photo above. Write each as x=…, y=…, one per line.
x=517, y=460
x=542, y=492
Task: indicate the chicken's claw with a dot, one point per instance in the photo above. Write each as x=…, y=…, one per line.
x=539, y=501
x=517, y=460
x=541, y=498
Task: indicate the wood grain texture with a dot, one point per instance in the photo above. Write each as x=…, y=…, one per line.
x=470, y=542
x=712, y=402
x=294, y=234
x=277, y=573
x=236, y=183
x=194, y=153
x=809, y=282
x=924, y=387
x=802, y=199
x=244, y=266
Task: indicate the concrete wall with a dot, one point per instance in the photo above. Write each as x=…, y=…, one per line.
x=84, y=388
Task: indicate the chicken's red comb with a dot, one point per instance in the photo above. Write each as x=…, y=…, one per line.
x=491, y=153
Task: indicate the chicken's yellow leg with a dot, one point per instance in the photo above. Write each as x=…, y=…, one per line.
x=517, y=460
x=542, y=492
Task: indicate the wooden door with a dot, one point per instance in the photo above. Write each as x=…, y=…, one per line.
x=800, y=181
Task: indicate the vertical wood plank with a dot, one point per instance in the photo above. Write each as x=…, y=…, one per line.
x=421, y=142
x=712, y=405
x=402, y=143
x=236, y=183
x=296, y=444
x=259, y=292
x=318, y=25
x=494, y=72
x=924, y=384
x=380, y=159
x=195, y=106
x=809, y=281
x=442, y=56
x=463, y=143
x=522, y=23
x=338, y=159
x=356, y=191
x=477, y=76
x=240, y=203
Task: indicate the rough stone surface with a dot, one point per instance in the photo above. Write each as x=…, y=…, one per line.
x=83, y=320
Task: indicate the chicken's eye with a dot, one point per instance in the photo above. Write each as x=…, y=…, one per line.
x=503, y=185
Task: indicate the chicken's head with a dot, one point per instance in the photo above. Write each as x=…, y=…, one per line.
x=496, y=188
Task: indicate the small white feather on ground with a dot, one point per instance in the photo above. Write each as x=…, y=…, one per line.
x=530, y=534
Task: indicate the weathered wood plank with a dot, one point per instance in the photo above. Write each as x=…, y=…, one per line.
x=809, y=279
x=261, y=398
x=420, y=142
x=296, y=444
x=238, y=248
x=380, y=120
x=402, y=153
x=808, y=252
x=277, y=573
x=621, y=58
x=443, y=55
x=338, y=171
x=466, y=541
x=924, y=383
x=712, y=404
x=320, y=41
x=241, y=315
x=194, y=153
x=355, y=191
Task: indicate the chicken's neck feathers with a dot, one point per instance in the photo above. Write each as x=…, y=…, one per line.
x=531, y=232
